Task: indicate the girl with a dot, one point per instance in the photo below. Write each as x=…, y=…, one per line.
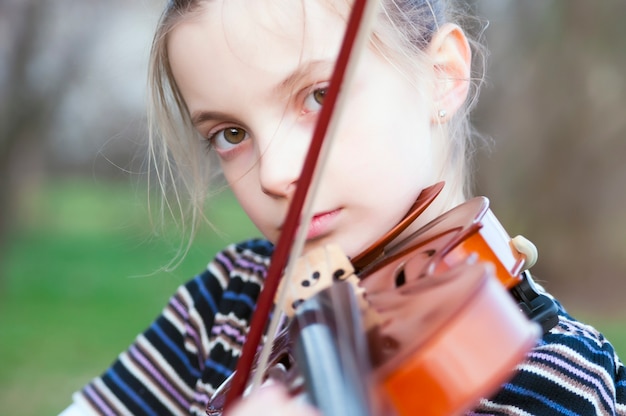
x=246, y=80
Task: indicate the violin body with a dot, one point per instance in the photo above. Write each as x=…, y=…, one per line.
x=450, y=332
x=447, y=340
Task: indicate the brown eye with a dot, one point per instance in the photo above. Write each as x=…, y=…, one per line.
x=319, y=95
x=315, y=99
x=228, y=138
x=234, y=135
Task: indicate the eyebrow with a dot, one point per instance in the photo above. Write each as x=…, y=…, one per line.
x=302, y=71
x=285, y=87
x=200, y=117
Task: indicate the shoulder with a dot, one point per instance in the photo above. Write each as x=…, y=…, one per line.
x=246, y=262
x=580, y=366
x=240, y=264
x=575, y=347
x=251, y=256
x=245, y=259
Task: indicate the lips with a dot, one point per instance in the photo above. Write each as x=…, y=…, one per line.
x=321, y=224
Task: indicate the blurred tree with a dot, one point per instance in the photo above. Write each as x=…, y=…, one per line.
x=30, y=92
x=555, y=105
x=72, y=80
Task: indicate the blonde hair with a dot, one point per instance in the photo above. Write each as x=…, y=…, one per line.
x=402, y=32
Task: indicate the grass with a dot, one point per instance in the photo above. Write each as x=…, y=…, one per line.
x=80, y=278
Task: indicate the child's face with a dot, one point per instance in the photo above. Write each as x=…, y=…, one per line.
x=252, y=75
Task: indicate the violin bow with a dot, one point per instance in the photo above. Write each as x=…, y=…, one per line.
x=355, y=38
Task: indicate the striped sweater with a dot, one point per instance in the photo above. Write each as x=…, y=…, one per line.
x=192, y=347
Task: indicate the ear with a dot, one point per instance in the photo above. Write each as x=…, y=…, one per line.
x=451, y=58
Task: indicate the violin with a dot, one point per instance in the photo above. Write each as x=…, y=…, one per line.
x=432, y=326
x=426, y=326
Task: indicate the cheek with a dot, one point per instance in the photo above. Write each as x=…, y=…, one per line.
x=246, y=194
x=240, y=173
x=386, y=147
x=259, y=209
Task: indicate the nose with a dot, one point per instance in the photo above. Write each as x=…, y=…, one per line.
x=281, y=161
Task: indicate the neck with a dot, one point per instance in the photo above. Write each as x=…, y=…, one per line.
x=431, y=203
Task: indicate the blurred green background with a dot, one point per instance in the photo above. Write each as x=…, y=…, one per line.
x=81, y=266
x=80, y=279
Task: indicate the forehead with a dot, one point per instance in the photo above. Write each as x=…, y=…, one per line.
x=265, y=35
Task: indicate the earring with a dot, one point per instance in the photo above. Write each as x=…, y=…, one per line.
x=442, y=113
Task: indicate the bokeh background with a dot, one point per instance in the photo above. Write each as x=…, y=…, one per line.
x=81, y=267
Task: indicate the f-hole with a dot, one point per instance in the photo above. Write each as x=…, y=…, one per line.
x=400, y=278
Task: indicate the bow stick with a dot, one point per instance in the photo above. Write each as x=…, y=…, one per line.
x=356, y=35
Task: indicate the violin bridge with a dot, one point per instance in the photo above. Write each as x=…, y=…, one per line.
x=314, y=272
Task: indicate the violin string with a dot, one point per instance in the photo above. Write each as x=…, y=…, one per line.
x=360, y=42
